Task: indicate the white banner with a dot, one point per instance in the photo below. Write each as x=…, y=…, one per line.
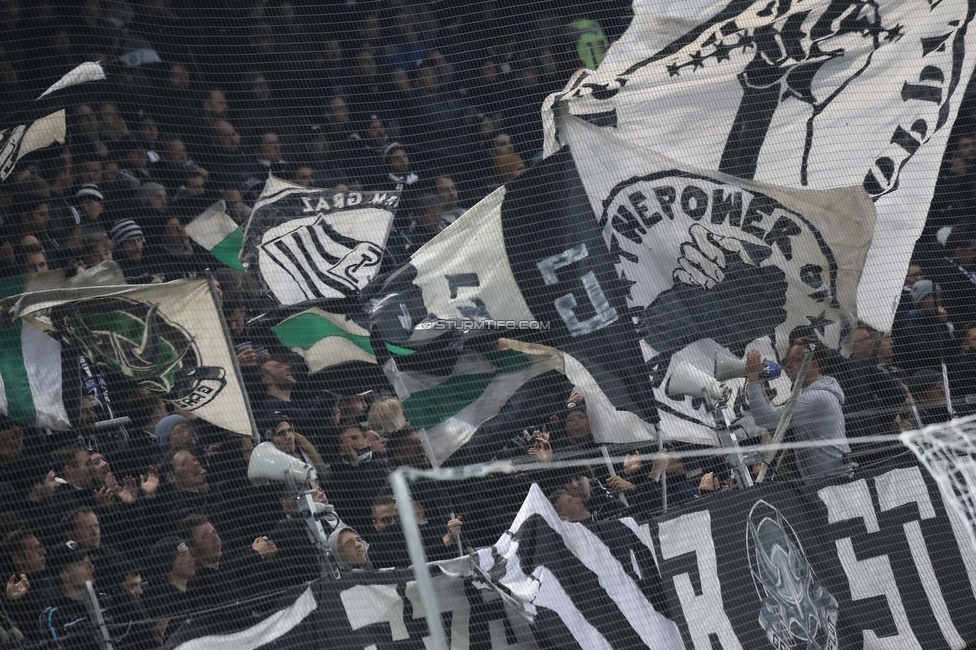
x=717, y=261
x=814, y=94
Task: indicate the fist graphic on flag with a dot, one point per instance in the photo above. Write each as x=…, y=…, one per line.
x=723, y=290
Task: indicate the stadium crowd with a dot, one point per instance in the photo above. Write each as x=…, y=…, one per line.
x=443, y=98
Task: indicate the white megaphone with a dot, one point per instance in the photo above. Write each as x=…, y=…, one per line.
x=269, y=464
x=728, y=366
x=686, y=379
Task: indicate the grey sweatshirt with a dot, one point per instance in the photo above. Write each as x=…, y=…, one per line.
x=817, y=416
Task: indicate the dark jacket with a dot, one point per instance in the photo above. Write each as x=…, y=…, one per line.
x=352, y=491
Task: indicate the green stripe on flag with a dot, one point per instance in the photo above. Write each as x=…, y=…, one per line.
x=397, y=350
x=16, y=384
x=508, y=360
x=228, y=251
x=308, y=328
x=305, y=330
x=12, y=286
x=428, y=408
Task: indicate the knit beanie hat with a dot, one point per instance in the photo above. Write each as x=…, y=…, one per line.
x=165, y=427
x=147, y=191
x=123, y=230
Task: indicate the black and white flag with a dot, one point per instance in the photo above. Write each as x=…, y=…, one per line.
x=878, y=562
x=43, y=122
x=712, y=261
x=587, y=586
x=530, y=261
x=814, y=94
x=377, y=609
x=641, y=265
x=310, y=244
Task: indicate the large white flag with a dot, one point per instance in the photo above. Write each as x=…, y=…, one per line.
x=167, y=338
x=642, y=264
x=713, y=261
x=813, y=94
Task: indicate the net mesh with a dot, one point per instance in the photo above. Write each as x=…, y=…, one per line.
x=947, y=452
x=609, y=316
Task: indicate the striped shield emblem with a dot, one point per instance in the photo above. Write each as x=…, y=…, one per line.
x=313, y=259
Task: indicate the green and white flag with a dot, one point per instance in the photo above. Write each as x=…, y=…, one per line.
x=218, y=233
x=451, y=408
x=167, y=338
x=30, y=360
x=326, y=340
x=30, y=376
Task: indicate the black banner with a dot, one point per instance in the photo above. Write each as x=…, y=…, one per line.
x=376, y=609
x=878, y=562
x=565, y=272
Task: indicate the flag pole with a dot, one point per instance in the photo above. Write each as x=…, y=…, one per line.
x=613, y=472
x=787, y=415
x=948, y=393
x=415, y=549
x=212, y=283
x=664, y=474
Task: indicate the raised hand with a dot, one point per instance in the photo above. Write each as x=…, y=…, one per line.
x=129, y=492
x=103, y=496
x=618, y=484
x=17, y=588
x=264, y=547
x=151, y=483
x=632, y=463
x=541, y=449
x=709, y=483
x=453, y=531
x=111, y=483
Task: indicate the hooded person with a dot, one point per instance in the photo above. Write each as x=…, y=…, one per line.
x=920, y=332
x=817, y=416
x=349, y=550
x=154, y=201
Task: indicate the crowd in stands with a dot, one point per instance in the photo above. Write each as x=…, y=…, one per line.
x=202, y=102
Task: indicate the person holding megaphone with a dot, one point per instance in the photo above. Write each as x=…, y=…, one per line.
x=817, y=416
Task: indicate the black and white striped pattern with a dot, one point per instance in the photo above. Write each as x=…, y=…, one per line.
x=309, y=244
x=319, y=259
x=585, y=586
